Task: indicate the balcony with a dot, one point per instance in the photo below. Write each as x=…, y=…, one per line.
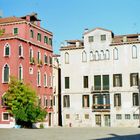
x=101, y=108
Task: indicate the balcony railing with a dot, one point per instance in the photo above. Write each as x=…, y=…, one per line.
x=101, y=107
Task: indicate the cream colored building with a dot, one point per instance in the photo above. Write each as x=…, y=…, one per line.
x=100, y=78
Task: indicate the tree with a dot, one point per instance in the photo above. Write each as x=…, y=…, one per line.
x=22, y=103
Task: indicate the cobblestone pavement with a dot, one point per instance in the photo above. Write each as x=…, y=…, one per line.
x=71, y=134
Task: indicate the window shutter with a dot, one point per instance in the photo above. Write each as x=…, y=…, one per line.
x=105, y=82
x=114, y=84
x=114, y=99
x=83, y=101
x=131, y=80
x=97, y=82
x=121, y=80
x=119, y=99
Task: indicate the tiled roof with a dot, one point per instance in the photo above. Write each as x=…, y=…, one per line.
x=10, y=19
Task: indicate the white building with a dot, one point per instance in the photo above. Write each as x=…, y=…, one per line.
x=100, y=78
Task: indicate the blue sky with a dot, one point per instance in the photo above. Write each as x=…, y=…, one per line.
x=67, y=19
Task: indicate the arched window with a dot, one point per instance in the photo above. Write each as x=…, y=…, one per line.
x=91, y=55
x=96, y=55
x=6, y=50
x=38, y=78
x=115, y=54
x=5, y=74
x=135, y=99
x=31, y=33
x=134, y=52
x=84, y=56
x=20, y=75
x=38, y=57
x=46, y=39
x=31, y=55
x=66, y=58
x=102, y=55
x=107, y=55
x=45, y=59
x=45, y=80
x=20, y=50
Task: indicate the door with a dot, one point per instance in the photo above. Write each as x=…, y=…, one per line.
x=107, y=120
x=49, y=119
x=98, y=120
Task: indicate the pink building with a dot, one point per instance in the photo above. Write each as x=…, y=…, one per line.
x=26, y=52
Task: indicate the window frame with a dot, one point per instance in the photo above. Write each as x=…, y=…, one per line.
x=117, y=80
x=66, y=101
x=117, y=100
x=85, y=101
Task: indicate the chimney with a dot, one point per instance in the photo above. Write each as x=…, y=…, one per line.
x=124, y=38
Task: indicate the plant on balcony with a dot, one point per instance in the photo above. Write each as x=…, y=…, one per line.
x=32, y=61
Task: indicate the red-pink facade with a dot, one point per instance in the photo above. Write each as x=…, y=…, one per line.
x=30, y=70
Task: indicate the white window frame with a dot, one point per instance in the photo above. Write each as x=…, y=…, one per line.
x=21, y=50
x=3, y=116
x=7, y=44
x=39, y=82
x=3, y=73
x=84, y=56
x=134, y=52
x=20, y=66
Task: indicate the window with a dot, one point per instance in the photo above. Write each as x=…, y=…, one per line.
x=96, y=55
x=6, y=74
x=67, y=83
x=85, y=100
x=117, y=99
x=91, y=56
x=31, y=55
x=51, y=102
x=5, y=116
x=134, y=79
x=102, y=55
x=45, y=80
x=38, y=57
x=50, y=58
x=15, y=31
x=39, y=37
x=20, y=51
x=115, y=54
x=135, y=99
x=66, y=58
x=85, y=81
x=50, y=81
x=118, y=116
x=45, y=59
x=97, y=82
x=3, y=100
x=107, y=55
x=66, y=101
x=20, y=75
x=50, y=41
x=45, y=101
x=127, y=116
x=31, y=33
x=86, y=116
x=103, y=37
x=84, y=56
x=67, y=116
x=38, y=78
x=117, y=80
x=7, y=50
x=105, y=82
x=134, y=52
x=46, y=39
x=90, y=38
x=136, y=116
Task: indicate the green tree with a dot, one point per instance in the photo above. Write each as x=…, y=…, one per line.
x=22, y=103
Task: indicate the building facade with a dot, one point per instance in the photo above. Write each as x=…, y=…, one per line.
x=26, y=53
x=100, y=80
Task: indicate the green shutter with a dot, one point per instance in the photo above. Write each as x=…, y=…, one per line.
x=120, y=80
x=115, y=99
x=66, y=82
x=131, y=80
x=85, y=82
x=6, y=73
x=105, y=82
x=97, y=82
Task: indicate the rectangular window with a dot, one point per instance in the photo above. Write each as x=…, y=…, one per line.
x=15, y=31
x=103, y=37
x=117, y=80
x=45, y=59
x=127, y=116
x=85, y=100
x=50, y=41
x=45, y=101
x=135, y=99
x=66, y=101
x=134, y=79
x=50, y=58
x=46, y=39
x=136, y=116
x=67, y=83
x=118, y=116
x=39, y=37
x=105, y=82
x=85, y=81
x=91, y=39
x=5, y=116
x=117, y=99
x=67, y=116
x=31, y=33
x=97, y=82
x=86, y=116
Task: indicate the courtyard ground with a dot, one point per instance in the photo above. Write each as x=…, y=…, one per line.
x=71, y=134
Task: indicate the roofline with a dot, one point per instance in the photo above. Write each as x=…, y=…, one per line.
x=96, y=29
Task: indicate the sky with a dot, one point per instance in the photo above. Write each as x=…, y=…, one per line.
x=67, y=19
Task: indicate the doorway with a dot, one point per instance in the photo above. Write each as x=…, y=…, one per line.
x=98, y=120
x=107, y=120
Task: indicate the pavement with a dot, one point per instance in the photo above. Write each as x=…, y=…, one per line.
x=99, y=133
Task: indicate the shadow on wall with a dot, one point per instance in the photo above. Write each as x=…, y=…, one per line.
x=117, y=137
